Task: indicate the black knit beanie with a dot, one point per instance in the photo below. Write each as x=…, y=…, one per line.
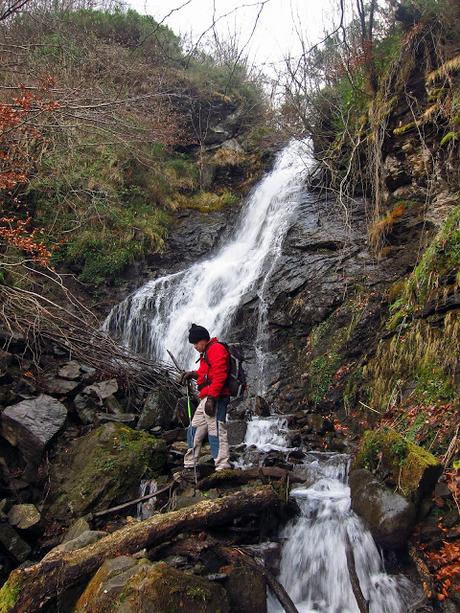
x=197, y=333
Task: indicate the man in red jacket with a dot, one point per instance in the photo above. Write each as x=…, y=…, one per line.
x=210, y=415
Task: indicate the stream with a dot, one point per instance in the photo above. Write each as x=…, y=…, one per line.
x=157, y=317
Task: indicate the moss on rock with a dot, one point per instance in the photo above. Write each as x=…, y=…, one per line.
x=132, y=586
x=102, y=468
x=410, y=467
x=8, y=595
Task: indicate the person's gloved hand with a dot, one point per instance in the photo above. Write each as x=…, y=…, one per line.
x=210, y=406
x=187, y=376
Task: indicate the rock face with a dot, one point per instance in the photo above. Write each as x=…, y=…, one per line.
x=31, y=424
x=390, y=516
x=127, y=585
x=102, y=468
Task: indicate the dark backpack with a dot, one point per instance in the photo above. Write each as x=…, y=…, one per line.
x=236, y=381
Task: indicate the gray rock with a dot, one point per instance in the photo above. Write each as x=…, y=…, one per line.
x=24, y=516
x=10, y=540
x=82, y=540
x=156, y=412
x=31, y=424
x=236, y=431
x=389, y=515
x=76, y=529
x=86, y=407
x=102, y=390
x=61, y=387
x=71, y=370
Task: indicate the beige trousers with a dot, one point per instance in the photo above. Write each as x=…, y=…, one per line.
x=215, y=429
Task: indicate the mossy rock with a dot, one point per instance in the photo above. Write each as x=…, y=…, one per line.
x=125, y=585
x=101, y=469
x=406, y=465
x=247, y=591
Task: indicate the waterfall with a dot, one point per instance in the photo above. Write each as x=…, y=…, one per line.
x=157, y=316
x=313, y=564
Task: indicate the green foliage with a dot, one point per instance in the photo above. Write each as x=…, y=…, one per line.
x=432, y=384
x=448, y=138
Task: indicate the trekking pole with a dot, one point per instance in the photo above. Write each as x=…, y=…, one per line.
x=189, y=410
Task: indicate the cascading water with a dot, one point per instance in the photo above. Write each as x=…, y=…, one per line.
x=314, y=567
x=157, y=316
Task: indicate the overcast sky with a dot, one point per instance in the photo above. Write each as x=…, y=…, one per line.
x=275, y=32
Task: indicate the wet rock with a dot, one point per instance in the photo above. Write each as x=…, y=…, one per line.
x=101, y=469
x=236, y=431
x=318, y=424
x=23, y=516
x=261, y=407
x=31, y=424
x=10, y=540
x=71, y=370
x=389, y=515
x=246, y=590
x=125, y=585
x=402, y=463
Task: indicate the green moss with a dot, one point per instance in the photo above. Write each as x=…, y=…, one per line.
x=406, y=463
x=355, y=388
x=9, y=593
x=205, y=202
x=104, y=467
x=405, y=128
x=321, y=371
x=433, y=385
x=448, y=138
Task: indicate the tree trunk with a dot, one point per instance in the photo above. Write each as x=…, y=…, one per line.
x=29, y=589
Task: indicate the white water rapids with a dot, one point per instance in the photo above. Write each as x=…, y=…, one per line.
x=314, y=567
x=157, y=316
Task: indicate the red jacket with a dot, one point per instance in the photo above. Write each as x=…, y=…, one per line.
x=213, y=372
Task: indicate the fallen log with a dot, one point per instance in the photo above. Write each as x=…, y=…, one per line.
x=29, y=589
x=241, y=477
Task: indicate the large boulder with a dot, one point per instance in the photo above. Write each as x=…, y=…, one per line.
x=31, y=424
x=158, y=411
x=389, y=515
x=101, y=469
x=404, y=465
x=127, y=585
